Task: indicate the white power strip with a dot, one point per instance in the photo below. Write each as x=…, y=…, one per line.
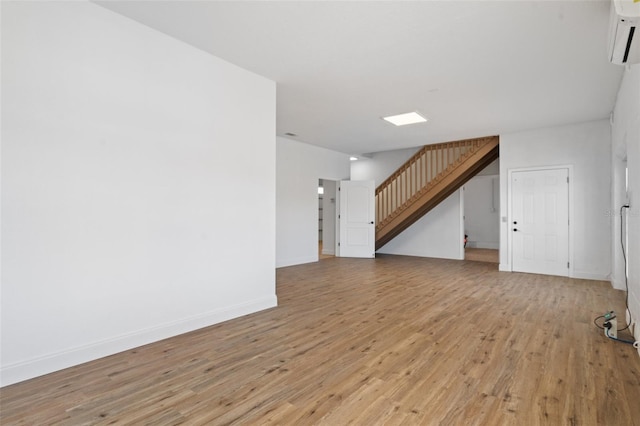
x=611, y=327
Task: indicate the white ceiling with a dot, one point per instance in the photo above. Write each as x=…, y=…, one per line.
x=474, y=68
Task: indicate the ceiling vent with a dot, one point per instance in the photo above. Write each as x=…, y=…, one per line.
x=624, y=34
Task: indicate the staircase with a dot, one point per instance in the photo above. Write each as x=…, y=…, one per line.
x=426, y=179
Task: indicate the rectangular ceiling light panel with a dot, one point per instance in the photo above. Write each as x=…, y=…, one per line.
x=404, y=119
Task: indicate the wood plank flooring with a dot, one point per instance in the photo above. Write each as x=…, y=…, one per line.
x=482, y=255
x=389, y=341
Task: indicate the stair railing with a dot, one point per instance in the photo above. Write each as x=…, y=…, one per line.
x=425, y=168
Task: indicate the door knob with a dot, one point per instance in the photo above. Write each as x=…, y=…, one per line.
x=372, y=223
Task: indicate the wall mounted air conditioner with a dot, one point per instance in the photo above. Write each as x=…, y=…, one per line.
x=624, y=32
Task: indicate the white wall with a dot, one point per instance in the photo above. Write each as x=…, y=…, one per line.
x=618, y=198
x=626, y=139
x=380, y=165
x=585, y=146
x=130, y=186
x=482, y=211
x=437, y=234
x=492, y=169
x=299, y=166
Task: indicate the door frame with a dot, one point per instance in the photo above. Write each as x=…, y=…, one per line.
x=510, y=172
x=333, y=184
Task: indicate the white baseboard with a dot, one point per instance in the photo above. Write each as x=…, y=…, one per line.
x=296, y=261
x=20, y=371
x=483, y=245
x=618, y=284
x=634, y=312
x=330, y=252
x=504, y=267
x=589, y=276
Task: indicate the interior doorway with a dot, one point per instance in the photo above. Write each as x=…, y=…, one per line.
x=482, y=215
x=326, y=218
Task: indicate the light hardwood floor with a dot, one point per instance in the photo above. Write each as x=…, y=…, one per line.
x=482, y=255
x=394, y=340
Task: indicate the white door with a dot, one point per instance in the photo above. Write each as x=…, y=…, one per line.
x=540, y=221
x=356, y=218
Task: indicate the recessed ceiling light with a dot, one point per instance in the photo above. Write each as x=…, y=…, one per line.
x=353, y=158
x=404, y=119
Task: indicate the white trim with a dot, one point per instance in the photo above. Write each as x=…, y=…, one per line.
x=504, y=267
x=617, y=283
x=483, y=245
x=510, y=172
x=587, y=276
x=461, y=221
x=38, y=366
x=297, y=261
x=338, y=189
